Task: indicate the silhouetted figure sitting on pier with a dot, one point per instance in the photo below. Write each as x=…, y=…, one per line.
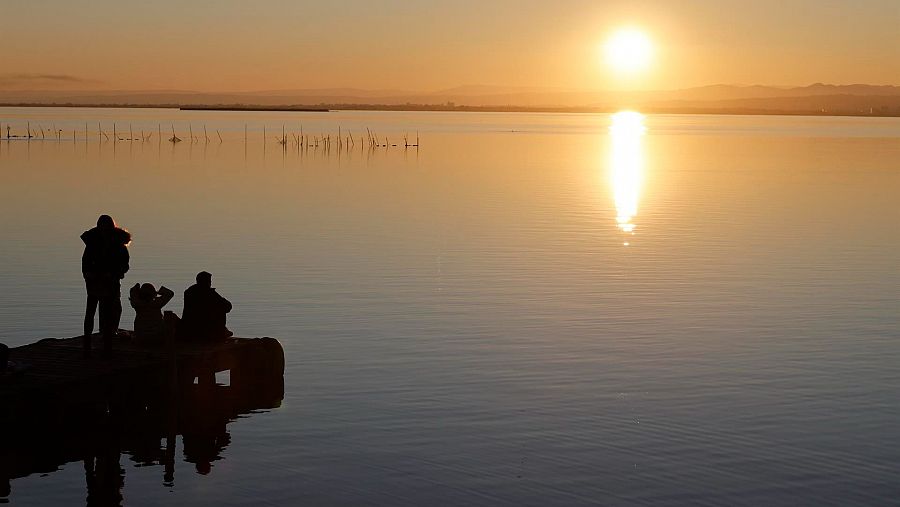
x=103, y=264
x=148, y=319
x=203, y=319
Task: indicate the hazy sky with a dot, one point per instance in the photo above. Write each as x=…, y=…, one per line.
x=231, y=45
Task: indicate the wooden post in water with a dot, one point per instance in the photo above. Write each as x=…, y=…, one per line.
x=170, y=321
x=171, y=439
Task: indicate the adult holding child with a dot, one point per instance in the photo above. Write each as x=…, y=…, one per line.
x=103, y=265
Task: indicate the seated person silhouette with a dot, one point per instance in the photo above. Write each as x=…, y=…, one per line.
x=148, y=320
x=203, y=319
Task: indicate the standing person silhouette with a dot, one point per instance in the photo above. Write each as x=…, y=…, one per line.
x=103, y=264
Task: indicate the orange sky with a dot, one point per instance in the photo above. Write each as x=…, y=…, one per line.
x=280, y=44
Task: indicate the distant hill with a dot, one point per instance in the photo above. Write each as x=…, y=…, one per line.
x=816, y=98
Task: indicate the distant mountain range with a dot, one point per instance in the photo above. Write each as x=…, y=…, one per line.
x=813, y=99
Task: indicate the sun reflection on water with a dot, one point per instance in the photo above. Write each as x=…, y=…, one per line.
x=626, y=166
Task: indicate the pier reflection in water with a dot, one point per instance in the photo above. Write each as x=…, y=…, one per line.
x=626, y=166
x=142, y=428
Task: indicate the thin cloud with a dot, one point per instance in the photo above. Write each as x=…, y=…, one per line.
x=34, y=79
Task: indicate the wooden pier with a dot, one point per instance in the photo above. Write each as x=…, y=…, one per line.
x=63, y=408
x=58, y=380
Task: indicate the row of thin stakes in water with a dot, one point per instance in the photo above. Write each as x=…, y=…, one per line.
x=344, y=139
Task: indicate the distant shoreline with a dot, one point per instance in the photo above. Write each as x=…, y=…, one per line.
x=292, y=109
x=323, y=108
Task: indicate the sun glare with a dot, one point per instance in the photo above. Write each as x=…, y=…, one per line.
x=628, y=51
x=627, y=165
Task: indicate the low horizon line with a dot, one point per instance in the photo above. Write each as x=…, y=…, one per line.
x=523, y=89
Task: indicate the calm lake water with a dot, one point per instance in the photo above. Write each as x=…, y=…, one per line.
x=528, y=309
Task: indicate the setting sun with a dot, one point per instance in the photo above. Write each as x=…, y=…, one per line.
x=628, y=51
x=493, y=252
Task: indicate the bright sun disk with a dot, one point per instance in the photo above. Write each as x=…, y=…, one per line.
x=628, y=51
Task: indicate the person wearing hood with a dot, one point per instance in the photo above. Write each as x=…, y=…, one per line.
x=148, y=303
x=103, y=265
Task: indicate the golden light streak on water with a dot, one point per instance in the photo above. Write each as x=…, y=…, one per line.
x=626, y=166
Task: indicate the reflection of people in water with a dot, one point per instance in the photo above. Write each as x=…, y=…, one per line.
x=105, y=477
x=203, y=319
x=5, y=486
x=103, y=264
x=148, y=319
x=203, y=429
x=203, y=446
x=103, y=473
x=142, y=428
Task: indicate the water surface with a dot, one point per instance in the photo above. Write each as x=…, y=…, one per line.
x=528, y=309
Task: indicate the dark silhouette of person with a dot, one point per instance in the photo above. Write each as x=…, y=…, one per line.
x=203, y=318
x=148, y=319
x=103, y=264
x=103, y=472
x=4, y=358
x=205, y=441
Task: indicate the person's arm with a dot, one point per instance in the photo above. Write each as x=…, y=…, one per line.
x=226, y=304
x=88, y=262
x=165, y=295
x=85, y=264
x=126, y=257
x=133, y=292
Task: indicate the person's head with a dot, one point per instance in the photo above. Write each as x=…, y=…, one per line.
x=106, y=222
x=204, y=279
x=147, y=291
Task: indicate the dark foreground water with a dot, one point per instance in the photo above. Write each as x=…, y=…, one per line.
x=526, y=310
